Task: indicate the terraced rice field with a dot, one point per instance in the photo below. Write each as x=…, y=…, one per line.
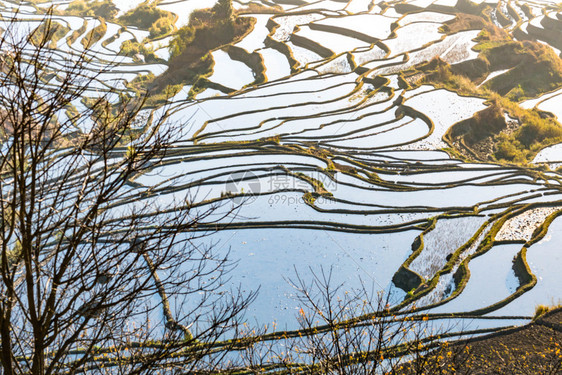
x=337, y=166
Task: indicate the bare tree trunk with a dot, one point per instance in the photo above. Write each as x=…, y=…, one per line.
x=6, y=343
x=77, y=292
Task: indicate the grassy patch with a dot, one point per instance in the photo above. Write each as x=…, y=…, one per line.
x=190, y=49
x=55, y=32
x=531, y=70
x=132, y=48
x=145, y=16
x=95, y=34
x=99, y=8
x=148, y=17
x=536, y=132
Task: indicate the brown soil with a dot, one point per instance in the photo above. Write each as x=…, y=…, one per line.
x=531, y=349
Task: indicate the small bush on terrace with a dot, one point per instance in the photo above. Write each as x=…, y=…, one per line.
x=97, y=8
x=149, y=17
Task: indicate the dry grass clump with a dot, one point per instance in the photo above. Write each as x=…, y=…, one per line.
x=541, y=310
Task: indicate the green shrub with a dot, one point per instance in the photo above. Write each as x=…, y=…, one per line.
x=516, y=93
x=161, y=27
x=509, y=151
x=533, y=69
x=182, y=39
x=190, y=49
x=131, y=48
x=56, y=32
x=97, y=8
x=536, y=130
x=146, y=16
x=95, y=34
x=140, y=82
x=206, y=32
